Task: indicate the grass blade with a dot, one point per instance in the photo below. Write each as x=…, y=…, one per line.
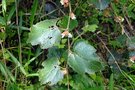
x=6, y=72
x=17, y=63
x=111, y=82
x=33, y=11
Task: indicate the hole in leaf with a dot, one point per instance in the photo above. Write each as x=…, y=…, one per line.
x=54, y=66
x=50, y=37
x=51, y=27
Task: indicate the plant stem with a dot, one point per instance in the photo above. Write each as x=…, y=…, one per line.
x=32, y=75
x=3, y=51
x=68, y=45
x=70, y=10
x=18, y=31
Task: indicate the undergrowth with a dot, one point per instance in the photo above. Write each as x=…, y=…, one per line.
x=67, y=45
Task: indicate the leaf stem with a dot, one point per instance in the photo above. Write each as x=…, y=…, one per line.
x=70, y=10
x=32, y=75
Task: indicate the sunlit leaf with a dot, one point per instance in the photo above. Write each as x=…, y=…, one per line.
x=83, y=59
x=45, y=33
x=4, y=6
x=51, y=73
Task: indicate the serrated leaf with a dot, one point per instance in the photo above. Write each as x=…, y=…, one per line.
x=51, y=73
x=81, y=82
x=91, y=28
x=83, y=59
x=45, y=33
x=101, y=4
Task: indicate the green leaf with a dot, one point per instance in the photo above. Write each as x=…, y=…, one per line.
x=2, y=35
x=51, y=72
x=123, y=1
x=18, y=64
x=33, y=11
x=83, y=59
x=81, y=82
x=12, y=86
x=45, y=33
x=91, y=28
x=2, y=21
x=131, y=43
x=131, y=12
x=6, y=72
x=54, y=52
x=11, y=13
x=4, y=6
x=101, y=4
x=115, y=43
x=64, y=22
x=111, y=83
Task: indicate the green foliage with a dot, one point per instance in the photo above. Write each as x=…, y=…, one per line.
x=4, y=6
x=33, y=11
x=51, y=72
x=101, y=4
x=5, y=71
x=131, y=10
x=91, y=28
x=111, y=83
x=88, y=45
x=2, y=21
x=45, y=33
x=64, y=21
x=83, y=58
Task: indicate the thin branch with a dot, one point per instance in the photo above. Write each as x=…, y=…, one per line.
x=68, y=45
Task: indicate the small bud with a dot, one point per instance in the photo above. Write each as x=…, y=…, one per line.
x=72, y=15
x=132, y=59
x=64, y=2
x=119, y=19
x=66, y=34
x=65, y=72
x=70, y=35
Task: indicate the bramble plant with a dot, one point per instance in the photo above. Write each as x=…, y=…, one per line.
x=67, y=45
